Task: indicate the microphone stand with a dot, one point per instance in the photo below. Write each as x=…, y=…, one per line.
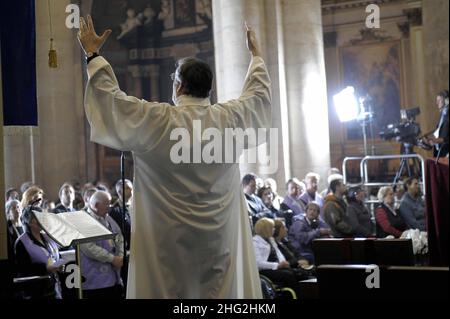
x=122, y=173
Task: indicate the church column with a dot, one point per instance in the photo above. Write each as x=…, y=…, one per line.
x=306, y=87
x=436, y=55
x=231, y=55
x=3, y=234
x=295, y=59
x=61, y=149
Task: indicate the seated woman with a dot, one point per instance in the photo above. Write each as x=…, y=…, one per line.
x=300, y=265
x=304, y=230
x=269, y=259
x=412, y=208
x=15, y=228
x=266, y=195
x=37, y=255
x=358, y=214
x=389, y=222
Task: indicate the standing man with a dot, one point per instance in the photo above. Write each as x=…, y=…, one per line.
x=439, y=139
x=190, y=233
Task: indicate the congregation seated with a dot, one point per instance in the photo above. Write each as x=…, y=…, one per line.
x=305, y=229
x=388, y=220
x=311, y=194
x=66, y=196
x=120, y=216
x=333, y=173
x=87, y=193
x=13, y=211
x=291, y=201
x=335, y=211
x=12, y=194
x=280, y=235
x=269, y=259
x=277, y=199
x=412, y=207
x=256, y=207
x=36, y=255
x=102, y=260
x=266, y=195
x=358, y=215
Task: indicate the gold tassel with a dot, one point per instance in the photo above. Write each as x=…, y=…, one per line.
x=52, y=57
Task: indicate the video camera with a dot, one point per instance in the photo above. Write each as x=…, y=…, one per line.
x=407, y=131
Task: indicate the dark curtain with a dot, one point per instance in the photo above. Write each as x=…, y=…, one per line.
x=18, y=54
x=437, y=195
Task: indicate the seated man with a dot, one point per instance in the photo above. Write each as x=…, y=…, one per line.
x=304, y=230
x=101, y=261
x=311, y=194
x=291, y=200
x=67, y=197
x=335, y=211
x=256, y=207
x=412, y=208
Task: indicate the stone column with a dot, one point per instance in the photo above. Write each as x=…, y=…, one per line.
x=231, y=55
x=435, y=42
x=295, y=59
x=61, y=154
x=3, y=236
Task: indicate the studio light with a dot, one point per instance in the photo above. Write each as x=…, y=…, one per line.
x=346, y=104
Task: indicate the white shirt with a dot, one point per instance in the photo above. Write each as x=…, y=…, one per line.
x=262, y=252
x=190, y=232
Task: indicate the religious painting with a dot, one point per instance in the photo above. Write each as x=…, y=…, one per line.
x=374, y=70
x=148, y=37
x=185, y=15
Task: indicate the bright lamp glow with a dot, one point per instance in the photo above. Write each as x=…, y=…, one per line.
x=346, y=104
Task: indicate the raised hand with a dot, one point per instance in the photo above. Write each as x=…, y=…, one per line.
x=252, y=43
x=89, y=40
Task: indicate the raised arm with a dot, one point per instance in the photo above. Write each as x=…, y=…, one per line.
x=117, y=120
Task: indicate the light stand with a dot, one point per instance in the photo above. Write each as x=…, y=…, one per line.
x=365, y=118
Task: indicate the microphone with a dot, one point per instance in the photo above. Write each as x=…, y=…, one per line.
x=35, y=202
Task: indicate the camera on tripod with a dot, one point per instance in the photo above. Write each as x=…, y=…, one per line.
x=406, y=131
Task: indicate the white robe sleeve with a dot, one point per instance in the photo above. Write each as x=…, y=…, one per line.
x=253, y=108
x=119, y=121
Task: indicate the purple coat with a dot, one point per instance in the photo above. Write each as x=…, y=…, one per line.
x=302, y=233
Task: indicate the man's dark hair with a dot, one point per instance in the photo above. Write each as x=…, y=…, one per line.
x=247, y=179
x=443, y=93
x=409, y=181
x=195, y=77
x=334, y=184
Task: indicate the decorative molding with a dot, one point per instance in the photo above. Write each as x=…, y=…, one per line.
x=369, y=36
x=329, y=6
x=21, y=131
x=414, y=16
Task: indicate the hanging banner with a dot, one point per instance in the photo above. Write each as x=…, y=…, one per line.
x=18, y=54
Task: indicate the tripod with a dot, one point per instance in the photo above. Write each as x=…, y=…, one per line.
x=413, y=170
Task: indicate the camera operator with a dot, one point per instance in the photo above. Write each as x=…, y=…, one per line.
x=439, y=137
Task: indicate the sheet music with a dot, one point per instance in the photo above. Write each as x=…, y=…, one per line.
x=64, y=228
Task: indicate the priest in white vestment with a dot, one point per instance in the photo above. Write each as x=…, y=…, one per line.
x=190, y=234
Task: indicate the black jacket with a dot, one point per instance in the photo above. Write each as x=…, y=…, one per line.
x=443, y=133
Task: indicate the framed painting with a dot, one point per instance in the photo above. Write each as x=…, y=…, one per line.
x=374, y=70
